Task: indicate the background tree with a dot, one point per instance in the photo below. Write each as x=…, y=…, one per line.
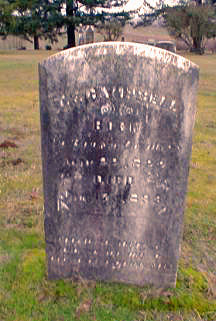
x=111, y=28
x=75, y=13
x=193, y=24
x=151, y=13
x=46, y=19
x=6, y=18
x=32, y=19
x=85, y=12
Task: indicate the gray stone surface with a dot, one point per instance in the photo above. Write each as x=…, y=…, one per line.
x=167, y=45
x=116, y=121
x=81, y=39
x=89, y=34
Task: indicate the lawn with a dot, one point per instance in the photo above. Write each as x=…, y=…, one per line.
x=25, y=292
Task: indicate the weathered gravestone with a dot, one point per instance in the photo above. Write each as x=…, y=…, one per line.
x=167, y=45
x=81, y=39
x=116, y=123
x=89, y=34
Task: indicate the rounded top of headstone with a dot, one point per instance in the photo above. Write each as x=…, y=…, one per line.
x=90, y=28
x=123, y=48
x=166, y=41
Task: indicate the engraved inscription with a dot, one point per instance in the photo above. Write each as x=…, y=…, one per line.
x=115, y=254
x=97, y=151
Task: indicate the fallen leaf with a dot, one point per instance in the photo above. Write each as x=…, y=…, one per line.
x=17, y=161
x=84, y=307
x=7, y=144
x=42, y=297
x=167, y=294
x=33, y=195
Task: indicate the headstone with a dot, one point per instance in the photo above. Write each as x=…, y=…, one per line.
x=167, y=45
x=151, y=42
x=89, y=35
x=81, y=39
x=116, y=121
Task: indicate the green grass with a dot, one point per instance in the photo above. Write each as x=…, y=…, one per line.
x=25, y=292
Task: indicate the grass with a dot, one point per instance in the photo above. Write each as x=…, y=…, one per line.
x=25, y=292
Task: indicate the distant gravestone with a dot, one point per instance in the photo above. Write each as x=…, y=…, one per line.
x=116, y=122
x=151, y=42
x=168, y=45
x=89, y=35
x=81, y=39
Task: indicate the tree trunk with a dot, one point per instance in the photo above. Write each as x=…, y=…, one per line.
x=71, y=36
x=70, y=27
x=197, y=46
x=197, y=37
x=36, y=42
